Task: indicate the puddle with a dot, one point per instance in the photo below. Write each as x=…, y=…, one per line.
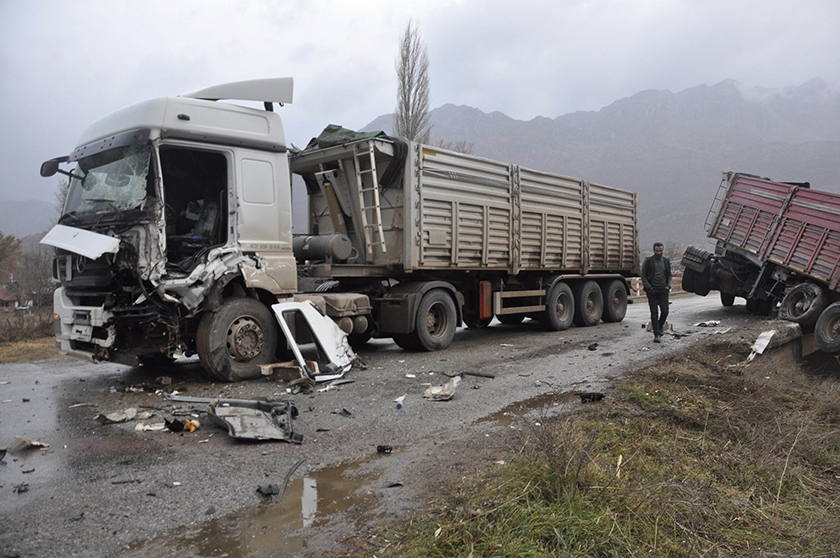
x=507, y=415
x=271, y=530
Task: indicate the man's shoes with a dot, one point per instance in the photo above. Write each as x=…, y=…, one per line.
x=657, y=339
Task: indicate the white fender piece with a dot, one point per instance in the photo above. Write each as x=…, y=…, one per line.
x=79, y=241
x=330, y=339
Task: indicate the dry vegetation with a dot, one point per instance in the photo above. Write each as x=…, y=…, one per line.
x=691, y=457
x=25, y=338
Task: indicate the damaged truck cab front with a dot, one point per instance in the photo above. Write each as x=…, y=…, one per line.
x=175, y=237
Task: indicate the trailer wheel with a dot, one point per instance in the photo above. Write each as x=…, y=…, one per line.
x=803, y=304
x=727, y=299
x=511, y=319
x=435, y=323
x=615, y=302
x=589, y=303
x=827, y=330
x=235, y=339
x=559, y=308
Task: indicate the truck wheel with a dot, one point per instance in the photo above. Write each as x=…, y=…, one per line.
x=559, y=308
x=727, y=299
x=235, y=339
x=511, y=319
x=827, y=331
x=589, y=303
x=803, y=304
x=615, y=302
x=435, y=324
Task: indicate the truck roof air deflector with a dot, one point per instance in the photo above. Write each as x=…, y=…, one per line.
x=272, y=90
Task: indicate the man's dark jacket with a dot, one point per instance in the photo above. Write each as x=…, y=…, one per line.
x=648, y=269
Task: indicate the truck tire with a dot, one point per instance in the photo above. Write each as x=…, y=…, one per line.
x=827, y=330
x=803, y=304
x=560, y=307
x=727, y=299
x=511, y=319
x=615, y=302
x=589, y=303
x=235, y=339
x=435, y=323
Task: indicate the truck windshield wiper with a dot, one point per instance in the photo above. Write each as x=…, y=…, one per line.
x=70, y=216
x=113, y=205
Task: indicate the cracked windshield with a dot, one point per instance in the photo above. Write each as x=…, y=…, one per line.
x=110, y=181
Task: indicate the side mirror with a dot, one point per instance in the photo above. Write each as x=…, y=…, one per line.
x=49, y=168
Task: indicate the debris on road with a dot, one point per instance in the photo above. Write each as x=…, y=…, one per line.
x=384, y=449
x=79, y=405
x=21, y=488
x=343, y=412
x=478, y=374
x=593, y=347
x=761, y=344
x=164, y=380
x=279, y=490
x=709, y=323
x=118, y=417
x=444, y=392
x=2, y=454
x=399, y=401
x=590, y=397
x=395, y=484
x=22, y=443
x=127, y=481
x=210, y=511
x=268, y=489
x=144, y=415
x=27, y=471
x=175, y=425
x=191, y=425
x=141, y=427
x=255, y=420
x=411, y=376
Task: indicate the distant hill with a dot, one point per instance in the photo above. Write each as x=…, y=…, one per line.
x=669, y=147
x=24, y=218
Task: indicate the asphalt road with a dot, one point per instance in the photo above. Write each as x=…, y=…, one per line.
x=103, y=490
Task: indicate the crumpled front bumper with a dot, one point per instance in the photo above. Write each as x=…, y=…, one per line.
x=81, y=331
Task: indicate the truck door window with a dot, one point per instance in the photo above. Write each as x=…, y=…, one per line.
x=195, y=197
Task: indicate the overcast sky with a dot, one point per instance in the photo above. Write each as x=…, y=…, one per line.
x=65, y=64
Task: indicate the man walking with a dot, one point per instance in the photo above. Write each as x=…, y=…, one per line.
x=656, y=278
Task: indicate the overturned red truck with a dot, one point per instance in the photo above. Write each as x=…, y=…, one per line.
x=776, y=243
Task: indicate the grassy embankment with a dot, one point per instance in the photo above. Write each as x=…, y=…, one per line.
x=690, y=457
x=25, y=338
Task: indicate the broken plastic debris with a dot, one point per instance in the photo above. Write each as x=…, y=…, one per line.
x=444, y=392
x=411, y=375
x=343, y=412
x=22, y=443
x=78, y=405
x=384, y=449
x=114, y=418
x=21, y=488
x=593, y=346
x=191, y=425
x=256, y=420
x=175, y=425
x=709, y=323
x=141, y=427
x=144, y=415
x=761, y=344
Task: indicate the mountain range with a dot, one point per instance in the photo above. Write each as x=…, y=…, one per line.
x=671, y=148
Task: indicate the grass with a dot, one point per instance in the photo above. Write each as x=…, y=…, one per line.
x=32, y=349
x=689, y=457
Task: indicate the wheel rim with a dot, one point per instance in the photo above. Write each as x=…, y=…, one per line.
x=245, y=339
x=591, y=304
x=563, y=308
x=799, y=304
x=617, y=302
x=832, y=328
x=437, y=320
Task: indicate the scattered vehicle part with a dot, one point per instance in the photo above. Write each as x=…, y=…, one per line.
x=21, y=488
x=761, y=343
x=3, y=454
x=21, y=444
x=590, y=397
x=478, y=374
x=191, y=425
x=117, y=417
x=343, y=412
x=27, y=471
x=157, y=427
x=593, y=347
x=708, y=323
x=395, y=484
x=175, y=425
x=144, y=415
x=79, y=405
x=384, y=449
x=444, y=392
x=268, y=489
x=329, y=338
x=256, y=420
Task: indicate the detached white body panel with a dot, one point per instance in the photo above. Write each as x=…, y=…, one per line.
x=79, y=241
x=329, y=337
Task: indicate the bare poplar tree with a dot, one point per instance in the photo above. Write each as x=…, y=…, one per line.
x=411, y=120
